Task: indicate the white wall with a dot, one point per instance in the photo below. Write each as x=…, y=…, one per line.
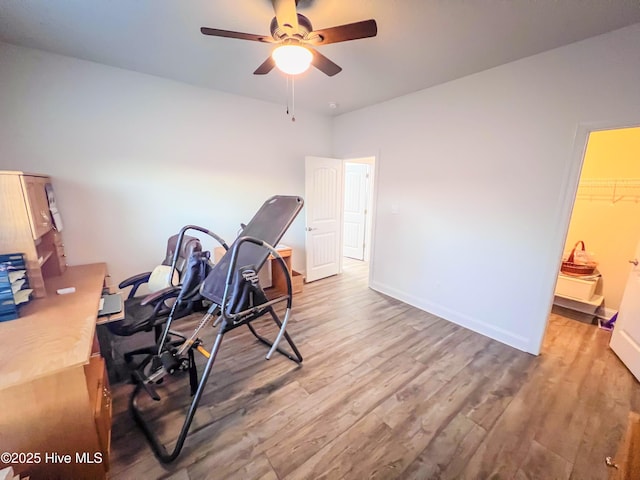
x=477, y=171
x=135, y=157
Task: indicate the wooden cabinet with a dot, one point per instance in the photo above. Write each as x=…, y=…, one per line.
x=26, y=227
x=278, y=284
x=38, y=206
x=54, y=390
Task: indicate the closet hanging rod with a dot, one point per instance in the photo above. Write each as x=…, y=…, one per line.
x=610, y=182
x=613, y=189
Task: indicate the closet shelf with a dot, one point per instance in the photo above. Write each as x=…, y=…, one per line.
x=590, y=306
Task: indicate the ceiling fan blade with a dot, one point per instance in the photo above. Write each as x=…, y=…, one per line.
x=287, y=15
x=323, y=64
x=266, y=66
x=351, y=31
x=229, y=34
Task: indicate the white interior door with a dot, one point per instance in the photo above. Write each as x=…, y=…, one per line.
x=356, y=179
x=625, y=340
x=323, y=207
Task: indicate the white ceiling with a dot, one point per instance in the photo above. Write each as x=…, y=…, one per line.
x=420, y=43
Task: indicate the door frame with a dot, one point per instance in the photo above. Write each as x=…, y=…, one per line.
x=569, y=191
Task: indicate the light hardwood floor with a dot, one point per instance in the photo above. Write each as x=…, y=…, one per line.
x=388, y=391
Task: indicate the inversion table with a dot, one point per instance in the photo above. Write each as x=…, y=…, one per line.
x=237, y=299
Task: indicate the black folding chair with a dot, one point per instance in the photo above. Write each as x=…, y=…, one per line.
x=238, y=299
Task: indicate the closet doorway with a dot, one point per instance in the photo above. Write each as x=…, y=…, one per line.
x=606, y=217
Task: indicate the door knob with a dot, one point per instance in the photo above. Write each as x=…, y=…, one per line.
x=634, y=261
x=310, y=228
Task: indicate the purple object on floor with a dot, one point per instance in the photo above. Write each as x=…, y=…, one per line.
x=608, y=325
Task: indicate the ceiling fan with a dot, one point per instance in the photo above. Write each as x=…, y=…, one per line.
x=296, y=38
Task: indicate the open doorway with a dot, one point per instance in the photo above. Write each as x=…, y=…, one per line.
x=357, y=216
x=606, y=220
x=327, y=191
x=357, y=208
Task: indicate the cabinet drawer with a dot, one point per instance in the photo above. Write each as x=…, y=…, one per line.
x=103, y=414
x=61, y=257
x=100, y=399
x=56, y=238
x=62, y=265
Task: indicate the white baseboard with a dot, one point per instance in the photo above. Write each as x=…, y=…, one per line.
x=478, y=326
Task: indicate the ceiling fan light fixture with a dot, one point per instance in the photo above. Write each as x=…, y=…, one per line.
x=292, y=59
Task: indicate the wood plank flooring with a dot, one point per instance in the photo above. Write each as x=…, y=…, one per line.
x=388, y=391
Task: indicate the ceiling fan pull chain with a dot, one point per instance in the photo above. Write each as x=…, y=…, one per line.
x=293, y=99
x=287, y=94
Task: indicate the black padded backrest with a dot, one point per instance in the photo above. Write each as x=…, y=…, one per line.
x=196, y=270
x=189, y=245
x=269, y=224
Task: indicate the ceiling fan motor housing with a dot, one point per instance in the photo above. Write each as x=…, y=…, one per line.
x=305, y=29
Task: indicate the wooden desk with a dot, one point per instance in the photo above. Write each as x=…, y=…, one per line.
x=54, y=392
x=278, y=279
